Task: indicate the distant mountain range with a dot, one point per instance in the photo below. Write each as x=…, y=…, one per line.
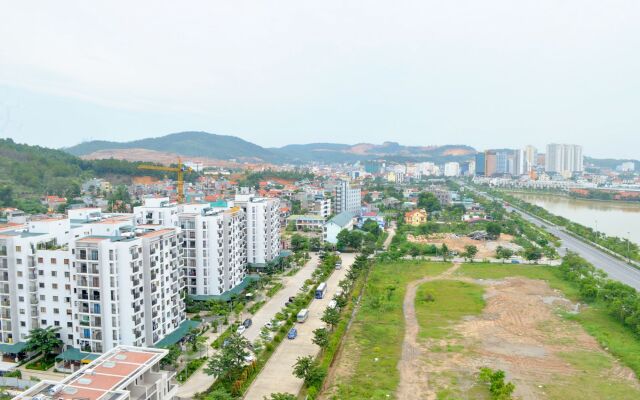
x=223, y=147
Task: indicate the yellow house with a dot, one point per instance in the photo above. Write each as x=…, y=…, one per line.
x=415, y=217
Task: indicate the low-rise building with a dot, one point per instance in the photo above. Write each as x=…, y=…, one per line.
x=415, y=217
x=123, y=373
x=306, y=222
x=344, y=220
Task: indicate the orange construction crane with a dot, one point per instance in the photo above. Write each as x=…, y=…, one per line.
x=180, y=169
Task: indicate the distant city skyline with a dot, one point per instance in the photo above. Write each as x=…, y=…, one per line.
x=492, y=74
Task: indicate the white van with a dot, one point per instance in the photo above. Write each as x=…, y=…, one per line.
x=339, y=292
x=302, y=315
x=332, y=304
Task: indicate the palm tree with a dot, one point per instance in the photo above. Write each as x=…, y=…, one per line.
x=44, y=341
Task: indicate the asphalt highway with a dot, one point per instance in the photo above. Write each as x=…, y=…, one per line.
x=614, y=267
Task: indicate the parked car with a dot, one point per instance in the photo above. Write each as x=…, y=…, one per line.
x=268, y=325
x=250, y=358
x=247, y=322
x=241, y=329
x=293, y=333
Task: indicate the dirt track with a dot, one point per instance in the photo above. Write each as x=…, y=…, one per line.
x=414, y=380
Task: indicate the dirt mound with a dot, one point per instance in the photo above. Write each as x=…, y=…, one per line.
x=457, y=243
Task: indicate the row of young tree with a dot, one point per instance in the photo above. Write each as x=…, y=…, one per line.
x=622, y=301
x=308, y=368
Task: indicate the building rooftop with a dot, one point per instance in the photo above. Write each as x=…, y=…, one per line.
x=103, y=379
x=343, y=218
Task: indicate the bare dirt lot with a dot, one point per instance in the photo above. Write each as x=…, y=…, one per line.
x=486, y=248
x=522, y=332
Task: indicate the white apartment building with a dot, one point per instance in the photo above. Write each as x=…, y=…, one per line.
x=321, y=206
x=92, y=277
x=564, y=159
x=214, y=248
x=452, y=169
x=263, y=226
x=530, y=158
x=157, y=211
x=128, y=289
x=21, y=285
x=348, y=197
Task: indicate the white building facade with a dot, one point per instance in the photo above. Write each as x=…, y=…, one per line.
x=348, y=197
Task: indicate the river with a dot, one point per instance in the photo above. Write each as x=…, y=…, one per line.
x=612, y=218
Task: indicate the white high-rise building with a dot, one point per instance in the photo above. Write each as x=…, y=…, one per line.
x=25, y=278
x=530, y=158
x=348, y=197
x=92, y=278
x=452, y=169
x=564, y=159
x=215, y=248
x=263, y=226
x=128, y=289
x=157, y=211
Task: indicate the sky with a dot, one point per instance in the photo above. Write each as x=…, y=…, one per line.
x=491, y=73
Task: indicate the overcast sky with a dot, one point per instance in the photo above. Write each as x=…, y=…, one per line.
x=488, y=73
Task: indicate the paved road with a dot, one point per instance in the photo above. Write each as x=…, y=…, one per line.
x=615, y=268
x=200, y=381
x=292, y=285
x=277, y=374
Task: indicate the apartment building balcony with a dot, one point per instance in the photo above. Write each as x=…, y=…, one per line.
x=93, y=269
x=5, y=314
x=86, y=296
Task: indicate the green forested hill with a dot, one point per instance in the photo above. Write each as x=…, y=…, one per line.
x=29, y=172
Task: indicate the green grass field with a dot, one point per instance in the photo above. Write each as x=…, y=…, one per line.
x=373, y=344
x=439, y=304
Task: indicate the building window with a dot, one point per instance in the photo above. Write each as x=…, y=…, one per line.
x=53, y=261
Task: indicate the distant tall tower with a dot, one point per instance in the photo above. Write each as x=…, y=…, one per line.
x=530, y=158
x=564, y=159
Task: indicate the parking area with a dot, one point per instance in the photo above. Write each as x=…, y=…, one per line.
x=277, y=374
